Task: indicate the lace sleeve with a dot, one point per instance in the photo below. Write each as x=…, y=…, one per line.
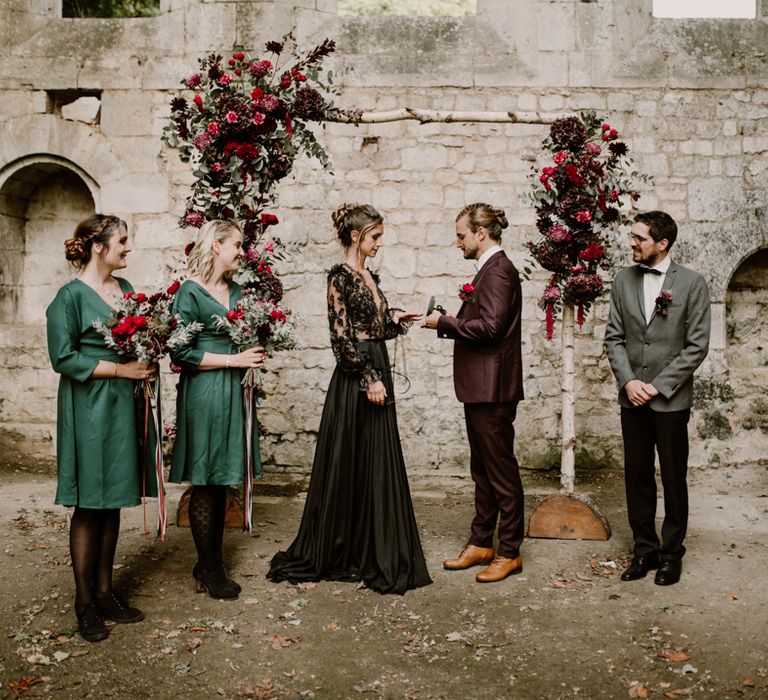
x=392, y=329
x=351, y=359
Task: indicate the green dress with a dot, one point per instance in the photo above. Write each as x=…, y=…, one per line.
x=98, y=449
x=210, y=434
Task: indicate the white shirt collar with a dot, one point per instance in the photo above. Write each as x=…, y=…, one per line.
x=487, y=255
x=663, y=266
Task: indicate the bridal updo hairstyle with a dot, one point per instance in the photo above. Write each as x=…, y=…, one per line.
x=200, y=260
x=97, y=228
x=354, y=217
x=490, y=218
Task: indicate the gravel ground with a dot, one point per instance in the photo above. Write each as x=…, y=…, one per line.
x=566, y=627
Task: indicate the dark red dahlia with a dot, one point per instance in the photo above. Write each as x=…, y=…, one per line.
x=568, y=132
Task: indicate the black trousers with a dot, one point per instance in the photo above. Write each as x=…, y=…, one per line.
x=645, y=432
x=494, y=469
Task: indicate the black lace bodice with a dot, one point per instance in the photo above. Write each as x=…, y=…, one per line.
x=353, y=315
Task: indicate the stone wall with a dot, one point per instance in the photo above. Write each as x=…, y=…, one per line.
x=691, y=98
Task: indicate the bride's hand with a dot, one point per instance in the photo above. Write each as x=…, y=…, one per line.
x=376, y=393
x=406, y=316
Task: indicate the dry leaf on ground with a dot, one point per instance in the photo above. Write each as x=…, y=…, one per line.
x=638, y=690
x=278, y=642
x=679, y=693
x=675, y=656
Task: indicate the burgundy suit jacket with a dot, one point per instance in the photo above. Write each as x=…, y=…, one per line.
x=487, y=359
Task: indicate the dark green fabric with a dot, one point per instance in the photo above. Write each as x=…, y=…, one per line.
x=210, y=444
x=97, y=438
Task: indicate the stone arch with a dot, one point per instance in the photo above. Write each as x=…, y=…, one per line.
x=746, y=351
x=41, y=200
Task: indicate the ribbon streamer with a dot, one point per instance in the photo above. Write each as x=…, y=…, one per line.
x=248, y=481
x=153, y=407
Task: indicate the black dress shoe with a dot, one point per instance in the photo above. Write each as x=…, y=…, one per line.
x=215, y=584
x=90, y=623
x=640, y=566
x=113, y=607
x=669, y=572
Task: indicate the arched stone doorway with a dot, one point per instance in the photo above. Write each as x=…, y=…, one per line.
x=41, y=200
x=746, y=351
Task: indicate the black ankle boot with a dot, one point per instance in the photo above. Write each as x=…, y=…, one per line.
x=215, y=583
x=113, y=607
x=90, y=623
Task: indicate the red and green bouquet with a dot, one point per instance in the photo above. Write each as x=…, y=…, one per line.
x=144, y=327
x=254, y=321
x=579, y=198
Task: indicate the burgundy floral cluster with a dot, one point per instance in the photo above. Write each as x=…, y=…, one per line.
x=241, y=122
x=578, y=198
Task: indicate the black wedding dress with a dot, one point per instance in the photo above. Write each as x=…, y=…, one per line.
x=358, y=522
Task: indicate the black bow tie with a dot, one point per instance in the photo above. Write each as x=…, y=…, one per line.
x=649, y=270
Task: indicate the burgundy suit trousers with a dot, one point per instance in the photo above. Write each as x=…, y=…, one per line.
x=495, y=471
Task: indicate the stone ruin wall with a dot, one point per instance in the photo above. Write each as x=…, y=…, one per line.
x=690, y=97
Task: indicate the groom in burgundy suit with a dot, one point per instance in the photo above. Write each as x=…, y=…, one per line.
x=488, y=378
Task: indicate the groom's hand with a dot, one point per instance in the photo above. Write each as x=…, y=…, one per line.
x=431, y=320
x=639, y=393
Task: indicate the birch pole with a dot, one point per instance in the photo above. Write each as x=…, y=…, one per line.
x=567, y=417
x=426, y=116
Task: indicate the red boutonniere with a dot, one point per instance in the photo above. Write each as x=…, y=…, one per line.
x=465, y=292
x=663, y=302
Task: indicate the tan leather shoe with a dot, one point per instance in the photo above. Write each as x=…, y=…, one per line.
x=470, y=556
x=499, y=569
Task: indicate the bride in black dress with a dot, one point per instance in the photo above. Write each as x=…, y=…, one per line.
x=358, y=522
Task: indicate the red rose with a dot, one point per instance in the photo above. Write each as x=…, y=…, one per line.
x=141, y=298
x=268, y=220
x=128, y=295
x=238, y=56
x=257, y=93
x=141, y=322
x=560, y=157
x=235, y=315
x=285, y=81
x=198, y=100
x=225, y=80
x=467, y=288
x=237, y=71
x=231, y=61
x=174, y=287
x=278, y=315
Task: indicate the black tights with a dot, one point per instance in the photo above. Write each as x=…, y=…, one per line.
x=92, y=543
x=207, y=507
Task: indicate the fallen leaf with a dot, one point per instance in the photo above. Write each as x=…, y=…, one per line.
x=60, y=655
x=638, y=690
x=730, y=596
x=680, y=693
x=278, y=642
x=453, y=637
x=194, y=643
x=559, y=584
x=23, y=685
x=38, y=658
x=333, y=625
x=172, y=634
x=593, y=563
x=674, y=656
x=748, y=682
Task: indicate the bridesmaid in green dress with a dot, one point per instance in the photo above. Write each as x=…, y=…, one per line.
x=97, y=448
x=210, y=437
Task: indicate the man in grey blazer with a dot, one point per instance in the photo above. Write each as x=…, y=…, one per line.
x=656, y=337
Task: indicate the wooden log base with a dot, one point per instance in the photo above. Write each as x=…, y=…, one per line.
x=568, y=517
x=233, y=519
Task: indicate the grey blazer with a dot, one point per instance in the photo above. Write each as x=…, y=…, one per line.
x=666, y=351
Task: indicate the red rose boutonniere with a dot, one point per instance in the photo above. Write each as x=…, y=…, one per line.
x=663, y=301
x=465, y=292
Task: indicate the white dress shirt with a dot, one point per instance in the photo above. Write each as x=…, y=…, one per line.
x=652, y=285
x=487, y=255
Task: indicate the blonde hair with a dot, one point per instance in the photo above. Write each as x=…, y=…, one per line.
x=354, y=217
x=200, y=260
x=490, y=218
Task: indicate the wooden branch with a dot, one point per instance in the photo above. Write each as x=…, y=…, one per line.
x=426, y=116
x=568, y=418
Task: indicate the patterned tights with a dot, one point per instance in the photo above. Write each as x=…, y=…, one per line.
x=207, y=506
